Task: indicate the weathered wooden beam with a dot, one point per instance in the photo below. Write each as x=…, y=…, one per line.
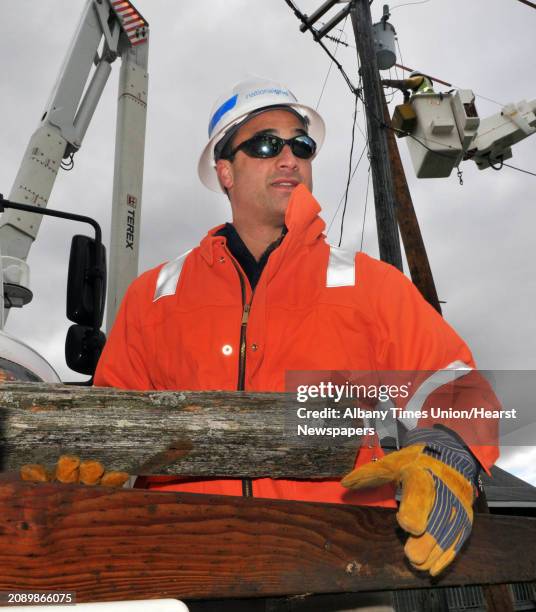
x=131, y=544
x=162, y=432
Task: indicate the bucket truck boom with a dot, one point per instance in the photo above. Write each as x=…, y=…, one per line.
x=108, y=29
x=62, y=128
x=444, y=128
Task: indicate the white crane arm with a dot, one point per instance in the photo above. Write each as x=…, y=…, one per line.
x=63, y=125
x=496, y=134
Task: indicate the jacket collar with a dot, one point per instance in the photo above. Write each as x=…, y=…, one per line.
x=301, y=218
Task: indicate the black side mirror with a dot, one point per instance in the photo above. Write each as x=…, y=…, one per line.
x=83, y=347
x=86, y=290
x=86, y=282
x=86, y=294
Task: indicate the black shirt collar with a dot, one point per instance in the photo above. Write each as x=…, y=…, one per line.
x=251, y=267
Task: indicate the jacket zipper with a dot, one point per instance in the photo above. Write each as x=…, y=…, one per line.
x=247, y=483
x=242, y=353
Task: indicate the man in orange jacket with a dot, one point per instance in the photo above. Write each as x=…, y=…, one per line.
x=266, y=295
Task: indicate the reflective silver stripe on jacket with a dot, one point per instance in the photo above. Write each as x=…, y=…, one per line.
x=341, y=267
x=452, y=372
x=168, y=277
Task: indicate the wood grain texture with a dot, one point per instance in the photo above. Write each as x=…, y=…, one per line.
x=162, y=432
x=133, y=544
x=382, y=178
x=414, y=247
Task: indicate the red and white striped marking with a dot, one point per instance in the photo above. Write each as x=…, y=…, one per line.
x=133, y=24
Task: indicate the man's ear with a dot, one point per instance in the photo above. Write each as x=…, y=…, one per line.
x=224, y=170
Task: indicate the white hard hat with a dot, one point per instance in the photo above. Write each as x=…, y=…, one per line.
x=247, y=98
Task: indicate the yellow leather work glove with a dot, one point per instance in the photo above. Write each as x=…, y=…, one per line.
x=69, y=469
x=438, y=477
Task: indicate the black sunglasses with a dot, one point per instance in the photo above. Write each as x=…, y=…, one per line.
x=269, y=145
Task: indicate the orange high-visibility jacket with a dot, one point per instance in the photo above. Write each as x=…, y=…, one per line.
x=185, y=325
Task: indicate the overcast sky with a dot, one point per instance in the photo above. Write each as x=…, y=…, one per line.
x=479, y=236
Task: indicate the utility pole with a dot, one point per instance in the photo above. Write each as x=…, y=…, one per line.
x=419, y=266
x=394, y=208
x=382, y=178
x=392, y=198
x=381, y=159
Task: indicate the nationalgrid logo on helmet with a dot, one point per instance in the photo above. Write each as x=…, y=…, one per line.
x=277, y=92
x=245, y=100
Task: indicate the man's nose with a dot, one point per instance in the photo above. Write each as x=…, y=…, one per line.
x=287, y=159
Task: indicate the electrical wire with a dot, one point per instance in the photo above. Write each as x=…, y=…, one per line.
x=396, y=65
x=501, y=104
x=358, y=91
x=347, y=79
x=303, y=19
x=343, y=33
x=384, y=125
x=349, y=170
x=365, y=148
x=390, y=96
x=438, y=80
x=354, y=90
x=368, y=183
x=337, y=41
x=399, y=52
x=402, y=67
x=323, y=86
x=392, y=8
x=365, y=211
x=359, y=94
x=342, y=197
x=519, y=169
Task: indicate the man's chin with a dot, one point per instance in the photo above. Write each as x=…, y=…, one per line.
x=281, y=203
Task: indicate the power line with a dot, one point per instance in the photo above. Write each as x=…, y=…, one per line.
x=365, y=211
x=407, y=69
x=352, y=178
x=389, y=97
x=349, y=170
x=423, y=144
x=303, y=19
x=354, y=90
x=357, y=92
x=531, y=4
x=323, y=86
x=399, y=53
x=520, y=169
x=338, y=41
x=443, y=82
x=384, y=125
x=408, y=4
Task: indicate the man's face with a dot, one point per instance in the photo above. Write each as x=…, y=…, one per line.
x=259, y=189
